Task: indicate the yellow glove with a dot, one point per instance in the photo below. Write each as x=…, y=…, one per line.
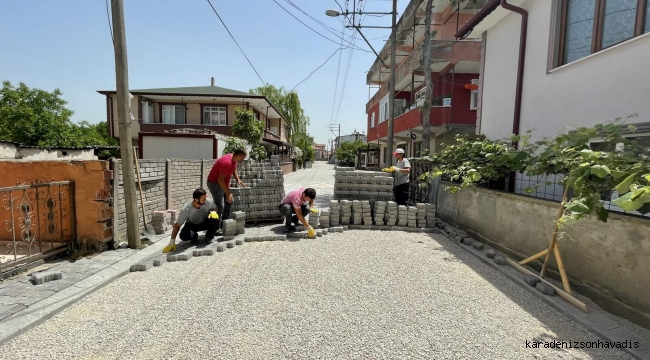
x=393, y=169
x=168, y=248
x=213, y=215
x=385, y=170
x=314, y=210
x=311, y=232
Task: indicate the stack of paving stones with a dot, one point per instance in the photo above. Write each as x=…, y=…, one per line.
x=412, y=217
x=345, y=208
x=366, y=211
x=353, y=184
x=335, y=213
x=402, y=216
x=173, y=215
x=229, y=229
x=312, y=219
x=264, y=191
x=431, y=215
x=356, y=212
x=380, y=212
x=391, y=213
x=161, y=222
x=421, y=215
x=324, y=219
x=240, y=220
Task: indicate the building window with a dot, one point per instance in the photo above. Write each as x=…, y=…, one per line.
x=215, y=115
x=173, y=114
x=589, y=26
x=372, y=120
x=383, y=109
x=421, y=94
x=473, y=101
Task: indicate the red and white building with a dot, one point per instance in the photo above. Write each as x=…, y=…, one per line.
x=455, y=68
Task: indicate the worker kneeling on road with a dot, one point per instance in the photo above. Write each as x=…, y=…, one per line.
x=200, y=214
x=295, y=205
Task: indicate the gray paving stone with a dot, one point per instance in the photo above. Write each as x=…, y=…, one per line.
x=490, y=253
x=228, y=237
x=46, y=276
x=269, y=237
x=545, y=289
x=159, y=260
x=185, y=256
x=221, y=248
x=478, y=246
x=531, y=280
x=143, y=266
x=239, y=242
x=230, y=244
x=280, y=237
x=8, y=310
x=197, y=252
x=500, y=260
x=172, y=257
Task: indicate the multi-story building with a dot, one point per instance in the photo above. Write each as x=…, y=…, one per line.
x=454, y=72
x=583, y=62
x=355, y=136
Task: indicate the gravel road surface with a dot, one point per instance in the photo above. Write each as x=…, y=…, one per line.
x=354, y=295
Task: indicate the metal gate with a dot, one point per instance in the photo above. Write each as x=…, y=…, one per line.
x=38, y=221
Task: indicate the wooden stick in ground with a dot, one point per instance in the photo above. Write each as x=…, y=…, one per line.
x=575, y=302
x=534, y=257
x=560, y=266
x=554, y=238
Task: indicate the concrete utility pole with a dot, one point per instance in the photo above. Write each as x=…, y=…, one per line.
x=426, y=109
x=124, y=121
x=391, y=87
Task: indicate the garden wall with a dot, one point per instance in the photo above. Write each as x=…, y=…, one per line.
x=609, y=262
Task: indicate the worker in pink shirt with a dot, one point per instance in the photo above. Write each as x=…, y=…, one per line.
x=296, y=205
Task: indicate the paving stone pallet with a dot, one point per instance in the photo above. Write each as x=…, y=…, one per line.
x=264, y=189
x=362, y=185
x=374, y=212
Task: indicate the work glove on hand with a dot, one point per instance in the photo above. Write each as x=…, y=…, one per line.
x=385, y=170
x=311, y=232
x=314, y=210
x=393, y=169
x=213, y=215
x=170, y=247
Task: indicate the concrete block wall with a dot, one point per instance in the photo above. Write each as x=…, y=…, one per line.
x=167, y=184
x=186, y=176
x=152, y=174
x=350, y=184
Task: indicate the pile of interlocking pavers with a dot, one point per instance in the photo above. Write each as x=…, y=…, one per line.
x=161, y=222
x=353, y=184
x=229, y=229
x=240, y=220
x=264, y=189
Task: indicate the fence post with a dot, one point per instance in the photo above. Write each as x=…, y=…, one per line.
x=433, y=191
x=168, y=183
x=202, y=185
x=116, y=198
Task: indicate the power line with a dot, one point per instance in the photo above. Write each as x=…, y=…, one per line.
x=310, y=28
x=327, y=27
x=110, y=27
x=336, y=85
x=345, y=79
x=312, y=73
x=233, y=38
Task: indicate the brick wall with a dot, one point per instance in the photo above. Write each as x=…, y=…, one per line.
x=153, y=177
x=169, y=183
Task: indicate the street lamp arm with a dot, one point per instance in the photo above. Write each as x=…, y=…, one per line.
x=367, y=42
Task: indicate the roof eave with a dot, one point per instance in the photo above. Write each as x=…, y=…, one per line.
x=480, y=16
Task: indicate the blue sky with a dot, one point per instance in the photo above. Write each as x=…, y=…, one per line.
x=66, y=44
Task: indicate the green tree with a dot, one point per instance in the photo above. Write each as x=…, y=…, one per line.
x=251, y=129
x=346, y=153
x=35, y=117
x=288, y=104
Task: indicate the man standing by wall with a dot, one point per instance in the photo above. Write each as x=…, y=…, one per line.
x=219, y=182
x=401, y=184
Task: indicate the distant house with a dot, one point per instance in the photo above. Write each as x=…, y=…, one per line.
x=355, y=136
x=163, y=116
x=320, y=152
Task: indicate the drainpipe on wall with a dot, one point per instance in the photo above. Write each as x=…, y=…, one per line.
x=520, y=77
x=520, y=65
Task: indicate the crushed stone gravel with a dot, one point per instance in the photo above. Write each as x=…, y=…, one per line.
x=358, y=294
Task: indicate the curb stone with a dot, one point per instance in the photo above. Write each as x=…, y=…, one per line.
x=604, y=328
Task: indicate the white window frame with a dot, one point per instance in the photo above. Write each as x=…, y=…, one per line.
x=219, y=111
x=372, y=120
x=473, y=100
x=171, y=111
x=383, y=109
x=421, y=94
